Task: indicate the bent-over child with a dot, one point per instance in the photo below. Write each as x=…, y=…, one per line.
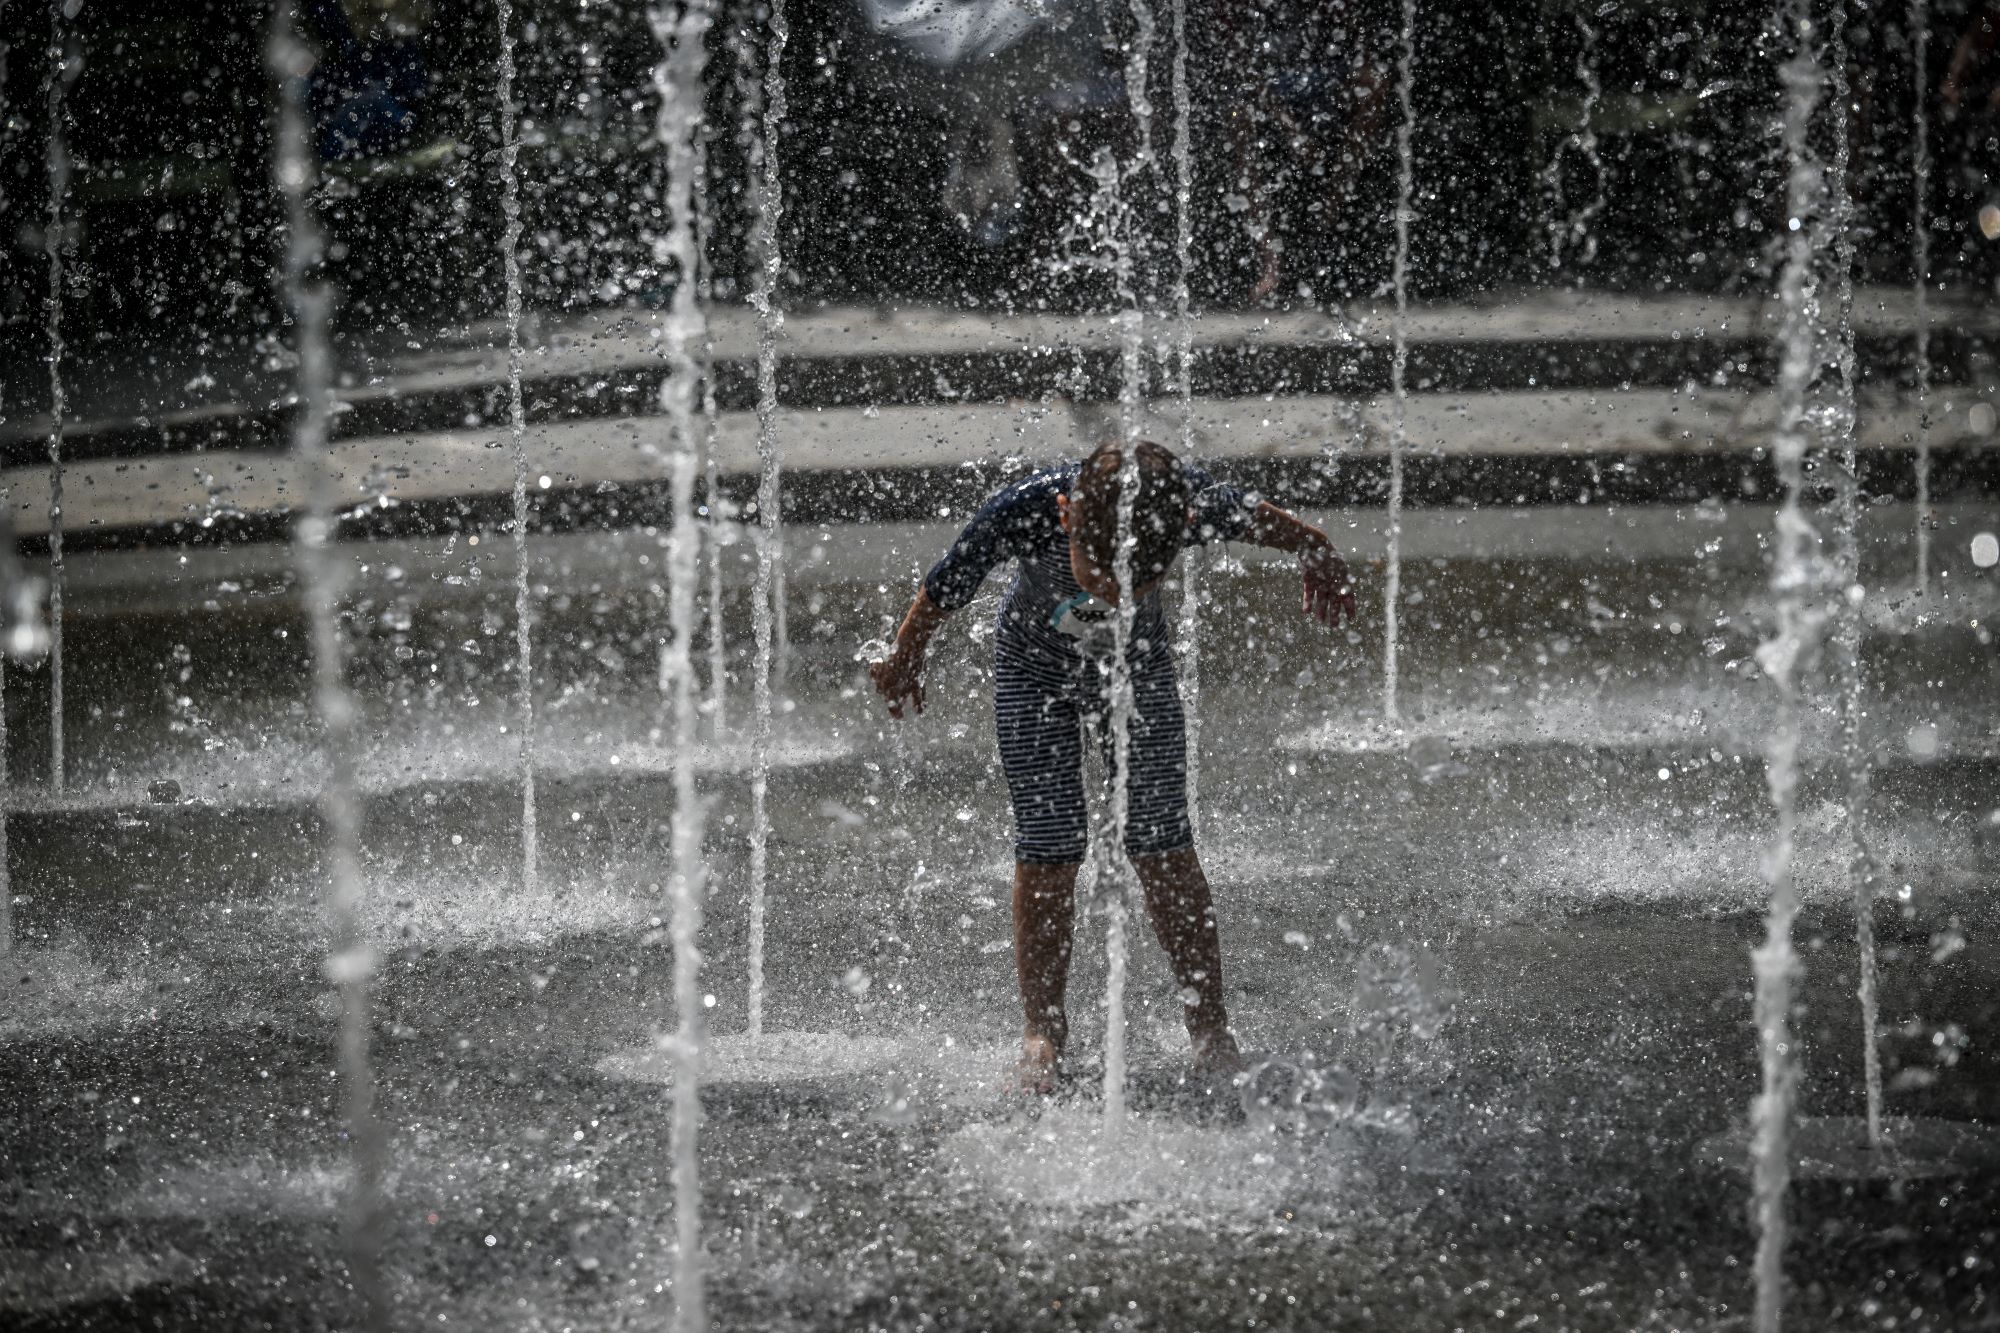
x=1052, y=669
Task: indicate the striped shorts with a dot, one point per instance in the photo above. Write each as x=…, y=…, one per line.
x=1042, y=705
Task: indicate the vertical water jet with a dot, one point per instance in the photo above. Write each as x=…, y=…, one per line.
x=1183, y=155
x=350, y=960
x=1847, y=633
x=1124, y=236
x=1920, y=259
x=55, y=236
x=711, y=420
x=1115, y=870
x=8, y=967
x=1392, y=584
x=1574, y=228
x=1795, y=589
x=678, y=79
x=517, y=427
x=769, y=592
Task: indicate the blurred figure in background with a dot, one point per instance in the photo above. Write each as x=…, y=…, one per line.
x=1305, y=86
x=1970, y=92
x=370, y=82
x=1963, y=86
x=1002, y=71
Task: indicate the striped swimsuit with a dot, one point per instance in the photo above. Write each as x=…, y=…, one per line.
x=1052, y=668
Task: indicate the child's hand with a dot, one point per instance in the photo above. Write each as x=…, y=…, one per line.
x=1329, y=591
x=899, y=679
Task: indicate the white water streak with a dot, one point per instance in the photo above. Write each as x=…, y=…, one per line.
x=1124, y=237
x=678, y=78
x=517, y=425
x=1920, y=256
x=769, y=591
x=55, y=237
x=1854, y=762
x=1183, y=154
x=350, y=961
x=1586, y=140
x=770, y=321
x=8, y=978
x=1114, y=860
x=711, y=419
x=1573, y=229
x=1785, y=658
x=1392, y=586
x=1138, y=75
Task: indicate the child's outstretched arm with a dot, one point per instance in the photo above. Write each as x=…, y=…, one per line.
x=1329, y=591
x=994, y=534
x=899, y=676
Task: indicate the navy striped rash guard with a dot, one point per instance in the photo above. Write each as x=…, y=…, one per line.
x=1020, y=522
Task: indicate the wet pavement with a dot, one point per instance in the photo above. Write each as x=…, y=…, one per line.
x=1493, y=966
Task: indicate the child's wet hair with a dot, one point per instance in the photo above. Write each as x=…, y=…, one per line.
x=1159, y=512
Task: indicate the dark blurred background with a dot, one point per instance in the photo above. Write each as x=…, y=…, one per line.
x=926, y=165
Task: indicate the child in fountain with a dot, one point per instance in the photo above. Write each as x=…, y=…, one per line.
x=1052, y=669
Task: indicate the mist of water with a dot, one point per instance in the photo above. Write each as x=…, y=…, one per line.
x=55, y=238
x=1784, y=658
x=1183, y=157
x=1847, y=631
x=1392, y=582
x=1920, y=258
x=517, y=426
x=764, y=117
x=350, y=960
x=678, y=80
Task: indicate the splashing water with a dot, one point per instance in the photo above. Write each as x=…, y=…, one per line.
x=1392, y=586
x=350, y=960
x=1920, y=258
x=1397, y=994
x=1784, y=657
x=517, y=426
x=1853, y=753
x=768, y=596
x=61, y=71
x=678, y=80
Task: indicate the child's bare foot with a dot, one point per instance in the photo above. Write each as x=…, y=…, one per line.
x=1216, y=1053
x=1035, y=1073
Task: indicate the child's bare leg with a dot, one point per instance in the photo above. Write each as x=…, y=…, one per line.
x=1183, y=915
x=1044, y=921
